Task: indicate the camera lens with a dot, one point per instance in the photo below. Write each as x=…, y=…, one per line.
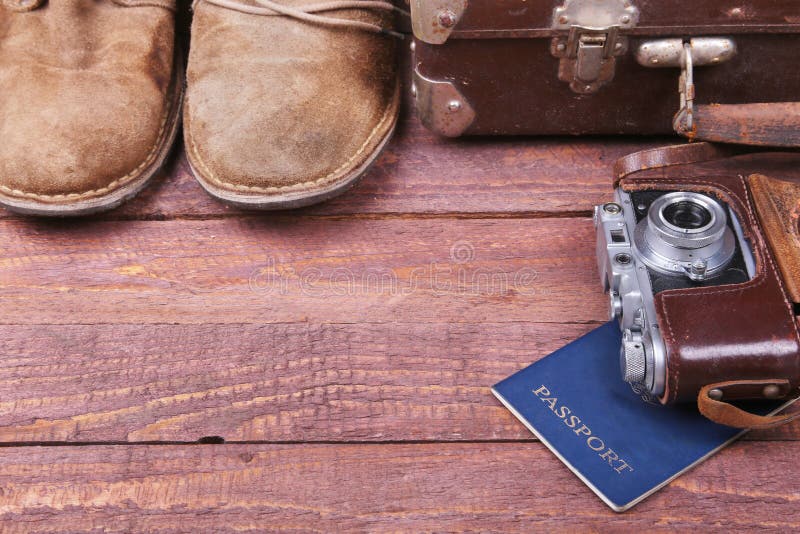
x=687, y=215
x=685, y=234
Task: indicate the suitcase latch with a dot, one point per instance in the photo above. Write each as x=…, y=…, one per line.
x=588, y=52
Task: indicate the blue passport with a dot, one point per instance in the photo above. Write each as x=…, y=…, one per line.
x=622, y=447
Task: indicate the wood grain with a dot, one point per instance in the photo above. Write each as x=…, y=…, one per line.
x=514, y=487
x=296, y=382
x=273, y=383
x=294, y=269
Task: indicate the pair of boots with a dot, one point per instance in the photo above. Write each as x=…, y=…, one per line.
x=286, y=103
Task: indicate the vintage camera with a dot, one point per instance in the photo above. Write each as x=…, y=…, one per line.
x=651, y=241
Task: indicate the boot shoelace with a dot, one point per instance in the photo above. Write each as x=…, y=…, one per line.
x=309, y=13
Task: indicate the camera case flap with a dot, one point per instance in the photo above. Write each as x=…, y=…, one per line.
x=742, y=337
x=778, y=205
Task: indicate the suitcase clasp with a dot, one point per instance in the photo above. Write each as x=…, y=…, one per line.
x=588, y=53
x=588, y=57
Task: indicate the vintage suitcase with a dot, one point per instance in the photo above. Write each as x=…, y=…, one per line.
x=720, y=70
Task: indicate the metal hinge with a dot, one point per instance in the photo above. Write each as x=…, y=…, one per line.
x=588, y=53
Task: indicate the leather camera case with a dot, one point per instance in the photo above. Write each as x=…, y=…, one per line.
x=743, y=338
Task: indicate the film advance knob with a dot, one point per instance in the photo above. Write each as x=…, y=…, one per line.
x=632, y=358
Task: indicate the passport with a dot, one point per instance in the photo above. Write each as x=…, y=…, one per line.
x=619, y=445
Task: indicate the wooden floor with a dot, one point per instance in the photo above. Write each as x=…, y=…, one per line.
x=182, y=366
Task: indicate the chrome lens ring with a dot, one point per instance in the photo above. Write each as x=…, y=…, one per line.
x=682, y=229
x=685, y=206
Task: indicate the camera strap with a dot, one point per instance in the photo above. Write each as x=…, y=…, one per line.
x=727, y=414
x=668, y=156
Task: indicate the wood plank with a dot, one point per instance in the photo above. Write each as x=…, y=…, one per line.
x=515, y=487
x=273, y=383
x=294, y=269
x=296, y=382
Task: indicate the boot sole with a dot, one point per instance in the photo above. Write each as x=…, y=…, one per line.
x=300, y=199
x=131, y=189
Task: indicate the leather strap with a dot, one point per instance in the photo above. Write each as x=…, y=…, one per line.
x=766, y=125
x=668, y=156
x=727, y=414
x=759, y=124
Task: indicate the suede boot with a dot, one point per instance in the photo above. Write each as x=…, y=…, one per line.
x=89, y=101
x=288, y=102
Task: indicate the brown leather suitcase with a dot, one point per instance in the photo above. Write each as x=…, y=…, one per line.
x=720, y=70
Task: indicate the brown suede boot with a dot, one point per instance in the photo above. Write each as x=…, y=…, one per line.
x=89, y=101
x=288, y=109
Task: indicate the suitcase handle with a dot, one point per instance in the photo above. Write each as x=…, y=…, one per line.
x=773, y=124
x=776, y=124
